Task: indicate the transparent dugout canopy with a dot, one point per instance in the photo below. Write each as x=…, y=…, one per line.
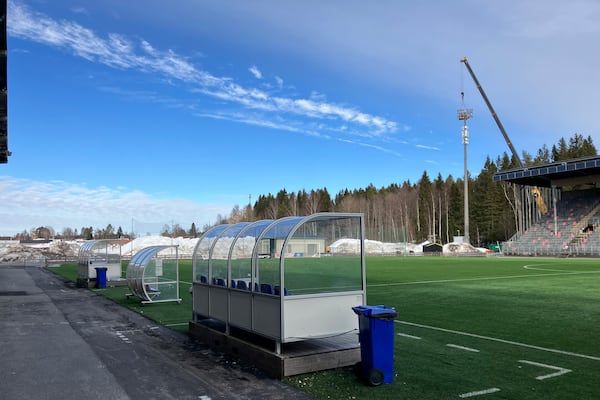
x=286, y=268
x=153, y=274
x=105, y=253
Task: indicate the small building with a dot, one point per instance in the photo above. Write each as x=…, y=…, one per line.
x=432, y=249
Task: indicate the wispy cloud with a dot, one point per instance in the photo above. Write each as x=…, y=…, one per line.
x=24, y=203
x=422, y=146
x=121, y=52
x=256, y=72
x=79, y=10
x=371, y=146
x=279, y=82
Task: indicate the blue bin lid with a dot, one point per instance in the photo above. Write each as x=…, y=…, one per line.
x=380, y=311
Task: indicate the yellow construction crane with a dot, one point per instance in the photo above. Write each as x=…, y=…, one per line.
x=539, y=200
x=535, y=191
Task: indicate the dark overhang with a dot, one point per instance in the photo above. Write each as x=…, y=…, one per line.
x=4, y=152
x=579, y=171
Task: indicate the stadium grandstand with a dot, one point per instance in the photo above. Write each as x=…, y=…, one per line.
x=557, y=208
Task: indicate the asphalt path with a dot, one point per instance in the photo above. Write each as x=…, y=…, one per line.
x=58, y=341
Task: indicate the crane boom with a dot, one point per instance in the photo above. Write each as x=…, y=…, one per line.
x=487, y=101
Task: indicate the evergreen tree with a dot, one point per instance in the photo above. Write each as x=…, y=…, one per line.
x=424, y=208
x=456, y=209
x=560, y=152
x=283, y=204
x=486, y=209
x=325, y=203
x=193, y=232
x=543, y=156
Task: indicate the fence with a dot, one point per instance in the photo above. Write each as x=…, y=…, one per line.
x=550, y=251
x=29, y=261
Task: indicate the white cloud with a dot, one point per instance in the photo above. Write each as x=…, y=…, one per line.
x=119, y=51
x=279, y=82
x=535, y=61
x=422, y=146
x=256, y=72
x=372, y=146
x=25, y=204
x=80, y=10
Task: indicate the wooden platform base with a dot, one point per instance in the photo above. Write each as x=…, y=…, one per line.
x=295, y=358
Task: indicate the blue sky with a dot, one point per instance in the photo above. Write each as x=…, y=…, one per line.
x=158, y=114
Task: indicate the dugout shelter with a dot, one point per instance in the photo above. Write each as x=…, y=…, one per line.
x=153, y=274
x=105, y=253
x=279, y=280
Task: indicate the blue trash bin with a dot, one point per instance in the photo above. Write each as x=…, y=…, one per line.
x=376, y=336
x=101, y=277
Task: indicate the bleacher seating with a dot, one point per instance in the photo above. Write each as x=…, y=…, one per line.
x=576, y=230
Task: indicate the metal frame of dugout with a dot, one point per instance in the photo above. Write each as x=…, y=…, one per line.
x=97, y=254
x=287, y=280
x=153, y=274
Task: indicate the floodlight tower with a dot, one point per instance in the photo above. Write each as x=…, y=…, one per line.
x=463, y=115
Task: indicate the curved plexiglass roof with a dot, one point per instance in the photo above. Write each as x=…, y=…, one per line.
x=153, y=277
x=91, y=248
x=291, y=252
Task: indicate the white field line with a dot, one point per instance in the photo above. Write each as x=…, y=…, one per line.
x=530, y=346
x=177, y=324
x=481, y=278
x=479, y=393
x=560, y=370
x=535, y=267
x=406, y=335
x=462, y=348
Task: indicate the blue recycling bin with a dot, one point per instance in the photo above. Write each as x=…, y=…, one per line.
x=376, y=336
x=101, y=277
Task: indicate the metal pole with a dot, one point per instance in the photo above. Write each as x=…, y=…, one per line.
x=464, y=115
x=465, y=135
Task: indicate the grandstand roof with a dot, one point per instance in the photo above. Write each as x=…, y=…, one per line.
x=580, y=171
x=4, y=152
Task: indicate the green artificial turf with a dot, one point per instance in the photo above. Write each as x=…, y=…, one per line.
x=68, y=271
x=513, y=315
x=482, y=327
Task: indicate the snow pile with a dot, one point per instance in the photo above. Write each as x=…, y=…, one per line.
x=57, y=249
x=243, y=247
x=186, y=245
x=11, y=252
x=374, y=247
x=461, y=248
x=18, y=253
